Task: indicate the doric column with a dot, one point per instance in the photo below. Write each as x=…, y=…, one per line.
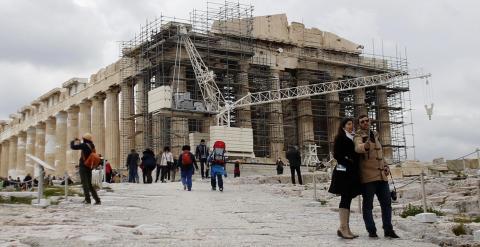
x=127, y=123
x=139, y=111
x=40, y=141
x=275, y=128
x=50, y=141
x=21, y=148
x=179, y=125
x=305, y=116
x=112, y=132
x=333, y=117
x=29, y=167
x=383, y=123
x=4, y=168
x=360, y=108
x=72, y=133
x=61, y=138
x=12, y=156
x=85, y=117
x=244, y=114
x=98, y=122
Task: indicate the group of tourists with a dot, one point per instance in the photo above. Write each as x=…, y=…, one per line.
x=361, y=170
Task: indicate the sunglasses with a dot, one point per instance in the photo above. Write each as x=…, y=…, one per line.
x=364, y=121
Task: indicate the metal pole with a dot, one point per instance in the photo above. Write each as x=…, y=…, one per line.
x=478, y=157
x=314, y=187
x=40, y=183
x=424, y=196
x=65, y=179
x=359, y=204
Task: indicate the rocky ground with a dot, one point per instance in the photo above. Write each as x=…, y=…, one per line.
x=252, y=211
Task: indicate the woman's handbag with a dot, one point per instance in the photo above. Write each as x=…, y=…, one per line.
x=393, y=193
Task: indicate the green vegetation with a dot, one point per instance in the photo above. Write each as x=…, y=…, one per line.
x=60, y=191
x=459, y=230
x=466, y=220
x=412, y=210
x=15, y=200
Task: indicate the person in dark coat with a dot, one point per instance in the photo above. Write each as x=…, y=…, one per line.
x=86, y=173
x=295, y=160
x=201, y=153
x=132, y=166
x=280, y=166
x=187, y=164
x=346, y=175
x=149, y=164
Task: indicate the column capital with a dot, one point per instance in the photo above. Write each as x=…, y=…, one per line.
x=31, y=130
x=99, y=96
x=73, y=109
x=113, y=90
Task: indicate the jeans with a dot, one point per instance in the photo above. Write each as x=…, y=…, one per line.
x=299, y=174
x=187, y=178
x=213, y=180
x=86, y=178
x=382, y=190
x=132, y=175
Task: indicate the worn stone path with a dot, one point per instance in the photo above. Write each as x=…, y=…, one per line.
x=166, y=215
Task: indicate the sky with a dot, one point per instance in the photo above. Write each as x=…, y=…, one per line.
x=45, y=43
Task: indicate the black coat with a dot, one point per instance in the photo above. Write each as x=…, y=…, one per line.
x=132, y=160
x=294, y=158
x=86, y=151
x=345, y=182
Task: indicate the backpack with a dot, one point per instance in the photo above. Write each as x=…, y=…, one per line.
x=93, y=159
x=218, y=153
x=187, y=159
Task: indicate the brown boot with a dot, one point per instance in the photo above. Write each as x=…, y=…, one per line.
x=343, y=230
x=348, y=226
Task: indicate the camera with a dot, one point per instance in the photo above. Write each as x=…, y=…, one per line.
x=393, y=195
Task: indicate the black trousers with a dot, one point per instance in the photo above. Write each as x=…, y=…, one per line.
x=345, y=201
x=382, y=191
x=214, y=179
x=299, y=174
x=148, y=175
x=203, y=163
x=86, y=179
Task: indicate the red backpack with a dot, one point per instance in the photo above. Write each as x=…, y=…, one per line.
x=218, y=152
x=186, y=159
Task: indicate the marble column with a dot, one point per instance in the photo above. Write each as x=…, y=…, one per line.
x=305, y=116
x=31, y=134
x=127, y=123
x=244, y=114
x=383, y=123
x=4, y=168
x=360, y=108
x=21, y=149
x=72, y=133
x=275, y=118
x=112, y=131
x=85, y=117
x=39, y=144
x=333, y=117
x=139, y=111
x=12, y=156
x=98, y=122
x=50, y=141
x=61, y=138
x=179, y=131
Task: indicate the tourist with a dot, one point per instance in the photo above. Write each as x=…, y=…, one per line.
x=294, y=159
x=218, y=162
x=27, y=181
x=279, y=166
x=164, y=165
x=87, y=147
x=373, y=174
x=132, y=166
x=174, y=169
x=236, y=169
x=108, y=171
x=149, y=164
x=201, y=152
x=345, y=177
x=187, y=166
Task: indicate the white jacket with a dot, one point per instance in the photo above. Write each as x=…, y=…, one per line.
x=166, y=157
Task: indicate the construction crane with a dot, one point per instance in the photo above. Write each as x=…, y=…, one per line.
x=215, y=102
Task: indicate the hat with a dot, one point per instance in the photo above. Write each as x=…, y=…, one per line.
x=87, y=136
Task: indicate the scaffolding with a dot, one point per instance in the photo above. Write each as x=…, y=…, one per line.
x=223, y=35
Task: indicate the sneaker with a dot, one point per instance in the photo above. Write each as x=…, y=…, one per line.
x=214, y=188
x=87, y=202
x=372, y=235
x=221, y=189
x=98, y=203
x=184, y=187
x=189, y=189
x=391, y=234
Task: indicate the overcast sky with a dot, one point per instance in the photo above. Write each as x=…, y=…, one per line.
x=44, y=43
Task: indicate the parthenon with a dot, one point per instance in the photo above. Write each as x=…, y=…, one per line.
x=247, y=54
